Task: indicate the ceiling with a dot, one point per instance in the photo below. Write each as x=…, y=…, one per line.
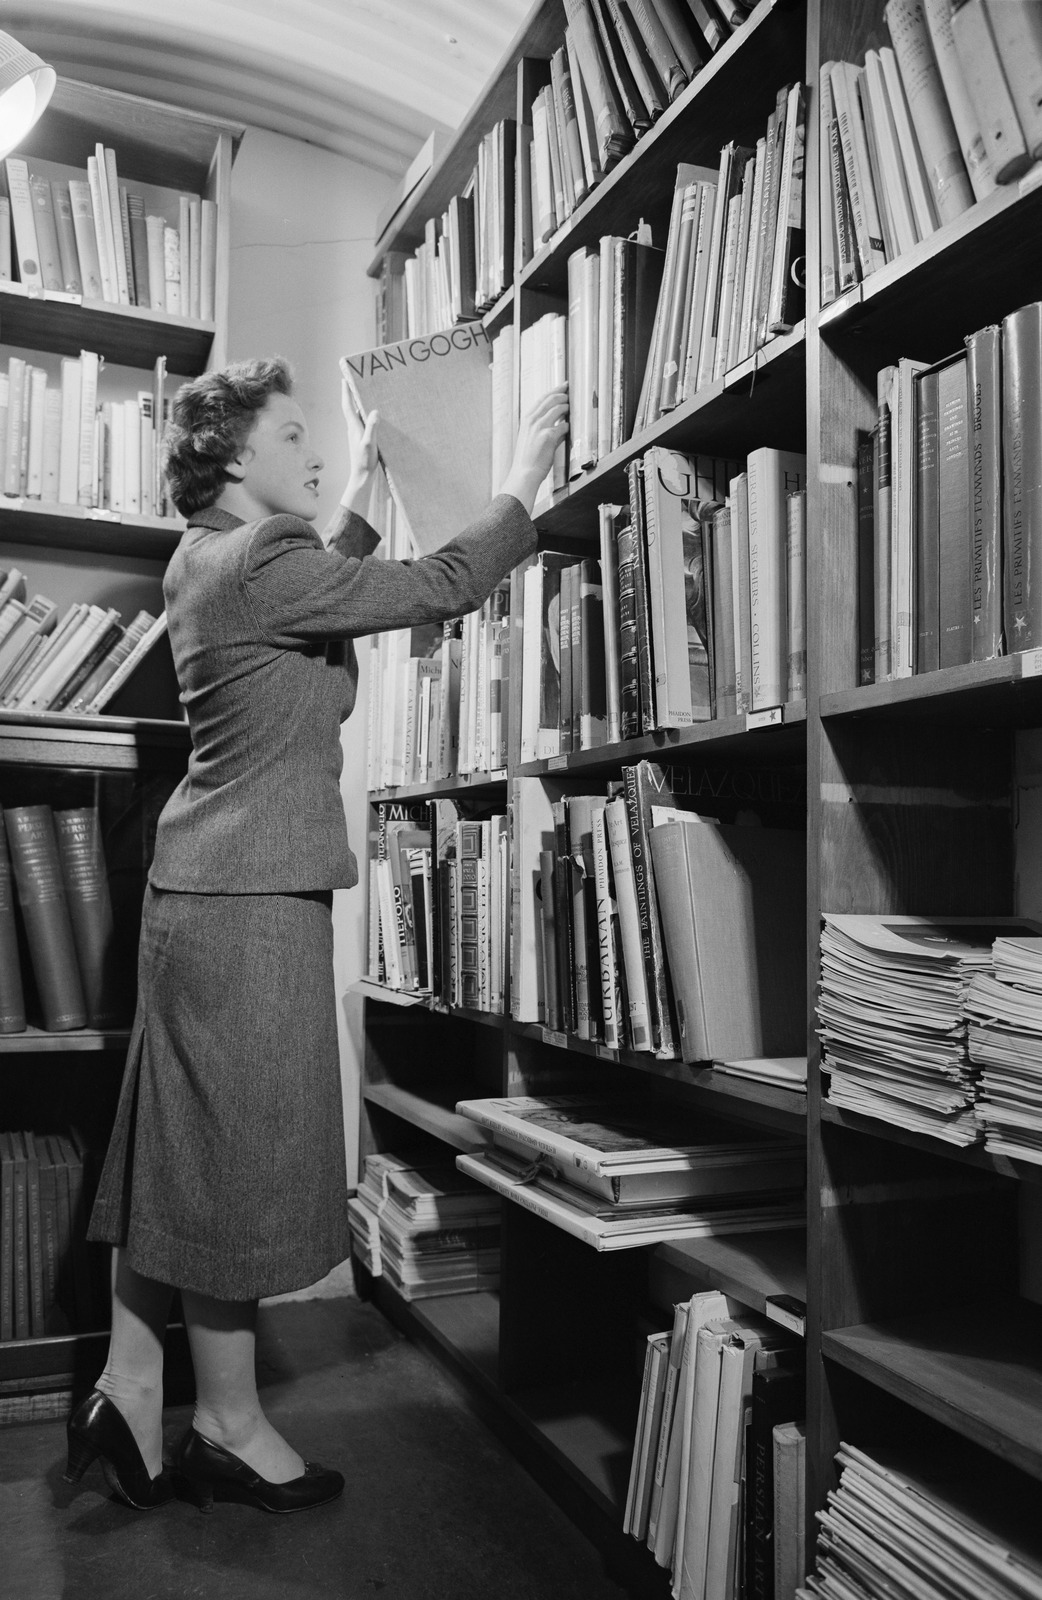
x=368, y=79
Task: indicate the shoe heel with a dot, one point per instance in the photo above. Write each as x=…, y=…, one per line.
x=81, y=1454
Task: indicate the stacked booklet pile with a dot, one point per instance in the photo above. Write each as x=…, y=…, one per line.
x=891, y=1533
x=618, y=1172
x=1004, y=1007
x=427, y=1229
x=892, y=1011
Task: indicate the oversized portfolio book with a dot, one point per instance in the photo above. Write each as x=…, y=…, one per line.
x=733, y=902
x=434, y=396
x=606, y=1227
x=628, y=1152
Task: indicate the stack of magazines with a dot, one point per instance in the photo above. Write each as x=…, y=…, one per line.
x=891, y=1006
x=616, y=1172
x=892, y=1533
x=428, y=1230
x=1004, y=1007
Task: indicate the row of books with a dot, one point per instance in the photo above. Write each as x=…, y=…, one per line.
x=77, y=662
x=49, y=1279
x=950, y=505
x=618, y=1172
x=90, y=236
x=717, y=1479
x=634, y=921
x=734, y=267
x=438, y=704
x=620, y=66
x=439, y=888
x=925, y=128
x=62, y=444
x=56, y=922
x=903, y=1531
x=424, y=1227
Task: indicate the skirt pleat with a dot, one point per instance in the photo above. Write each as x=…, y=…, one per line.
x=225, y=1171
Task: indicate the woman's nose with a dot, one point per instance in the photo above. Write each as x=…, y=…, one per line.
x=317, y=464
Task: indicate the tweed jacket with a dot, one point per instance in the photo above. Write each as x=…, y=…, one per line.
x=262, y=616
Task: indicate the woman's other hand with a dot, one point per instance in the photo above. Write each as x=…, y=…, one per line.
x=361, y=443
x=542, y=429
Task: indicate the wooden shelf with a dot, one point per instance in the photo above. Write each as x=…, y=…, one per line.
x=434, y=1111
x=970, y=272
x=587, y=1433
x=127, y=336
x=34, y=1041
x=384, y=995
x=1003, y=693
x=108, y=743
x=749, y=1266
x=761, y=401
x=973, y=1155
x=976, y=1368
x=730, y=98
x=39, y=523
x=490, y=784
x=745, y=735
x=466, y=1325
x=783, y=1109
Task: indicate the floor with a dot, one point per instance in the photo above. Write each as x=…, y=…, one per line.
x=435, y=1507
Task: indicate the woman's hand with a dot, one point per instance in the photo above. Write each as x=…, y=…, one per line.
x=541, y=431
x=361, y=444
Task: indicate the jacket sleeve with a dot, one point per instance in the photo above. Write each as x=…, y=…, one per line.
x=300, y=591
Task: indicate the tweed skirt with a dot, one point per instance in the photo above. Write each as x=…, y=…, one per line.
x=225, y=1169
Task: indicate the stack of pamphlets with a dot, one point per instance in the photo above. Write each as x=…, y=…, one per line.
x=428, y=1230
x=1004, y=1007
x=893, y=1533
x=618, y=1172
x=893, y=1025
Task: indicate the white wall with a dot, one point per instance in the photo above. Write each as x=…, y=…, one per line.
x=303, y=225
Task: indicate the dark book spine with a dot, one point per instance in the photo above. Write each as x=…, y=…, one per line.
x=723, y=613
x=12, y=998
x=6, y=1237
x=564, y=619
x=641, y=280
x=566, y=995
x=72, y=279
x=1022, y=475
x=41, y=895
x=85, y=875
x=984, y=397
x=64, y=1302
x=108, y=640
x=629, y=668
x=777, y=1396
x=548, y=941
x=593, y=703
x=34, y=1236
x=20, y=1237
x=645, y=669
x=954, y=516
x=866, y=577
x=138, y=247
x=927, y=524
x=470, y=954
x=641, y=784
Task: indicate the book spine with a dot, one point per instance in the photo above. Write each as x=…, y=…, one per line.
x=881, y=517
x=611, y=1009
x=138, y=236
x=638, y=788
x=470, y=954
x=41, y=894
x=645, y=665
x=12, y=999
x=23, y=221
x=84, y=871
x=928, y=106
x=71, y=277
x=743, y=644
x=34, y=1237
x=865, y=556
x=988, y=89
x=7, y=1242
x=796, y=593
x=20, y=1210
x=1017, y=30
x=1022, y=475
x=984, y=395
x=629, y=923
x=954, y=516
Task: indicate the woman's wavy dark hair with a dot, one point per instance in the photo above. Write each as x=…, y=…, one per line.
x=210, y=422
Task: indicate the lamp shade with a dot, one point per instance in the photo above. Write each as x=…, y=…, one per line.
x=26, y=85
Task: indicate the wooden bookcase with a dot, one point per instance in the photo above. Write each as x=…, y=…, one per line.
x=915, y=1323
x=125, y=764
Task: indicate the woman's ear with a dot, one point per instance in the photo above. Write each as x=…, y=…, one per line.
x=236, y=467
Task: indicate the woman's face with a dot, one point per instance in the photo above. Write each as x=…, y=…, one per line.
x=280, y=465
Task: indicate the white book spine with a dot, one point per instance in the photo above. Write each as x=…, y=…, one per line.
x=69, y=454
x=967, y=124
x=1017, y=29
x=23, y=222
x=938, y=140
x=86, y=483
x=99, y=207
x=629, y=924
x=109, y=178
x=37, y=409
x=52, y=433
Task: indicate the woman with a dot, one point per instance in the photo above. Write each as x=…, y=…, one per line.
x=224, y=1175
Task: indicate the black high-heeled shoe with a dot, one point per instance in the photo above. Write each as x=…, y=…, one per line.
x=98, y=1428
x=212, y=1473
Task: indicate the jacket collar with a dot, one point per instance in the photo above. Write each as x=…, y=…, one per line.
x=213, y=517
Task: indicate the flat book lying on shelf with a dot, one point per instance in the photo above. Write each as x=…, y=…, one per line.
x=434, y=396
x=605, y=1228
x=628, y=1152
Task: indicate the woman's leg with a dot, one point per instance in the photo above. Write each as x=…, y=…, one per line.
x=227, y=1407
x=133, y=1375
